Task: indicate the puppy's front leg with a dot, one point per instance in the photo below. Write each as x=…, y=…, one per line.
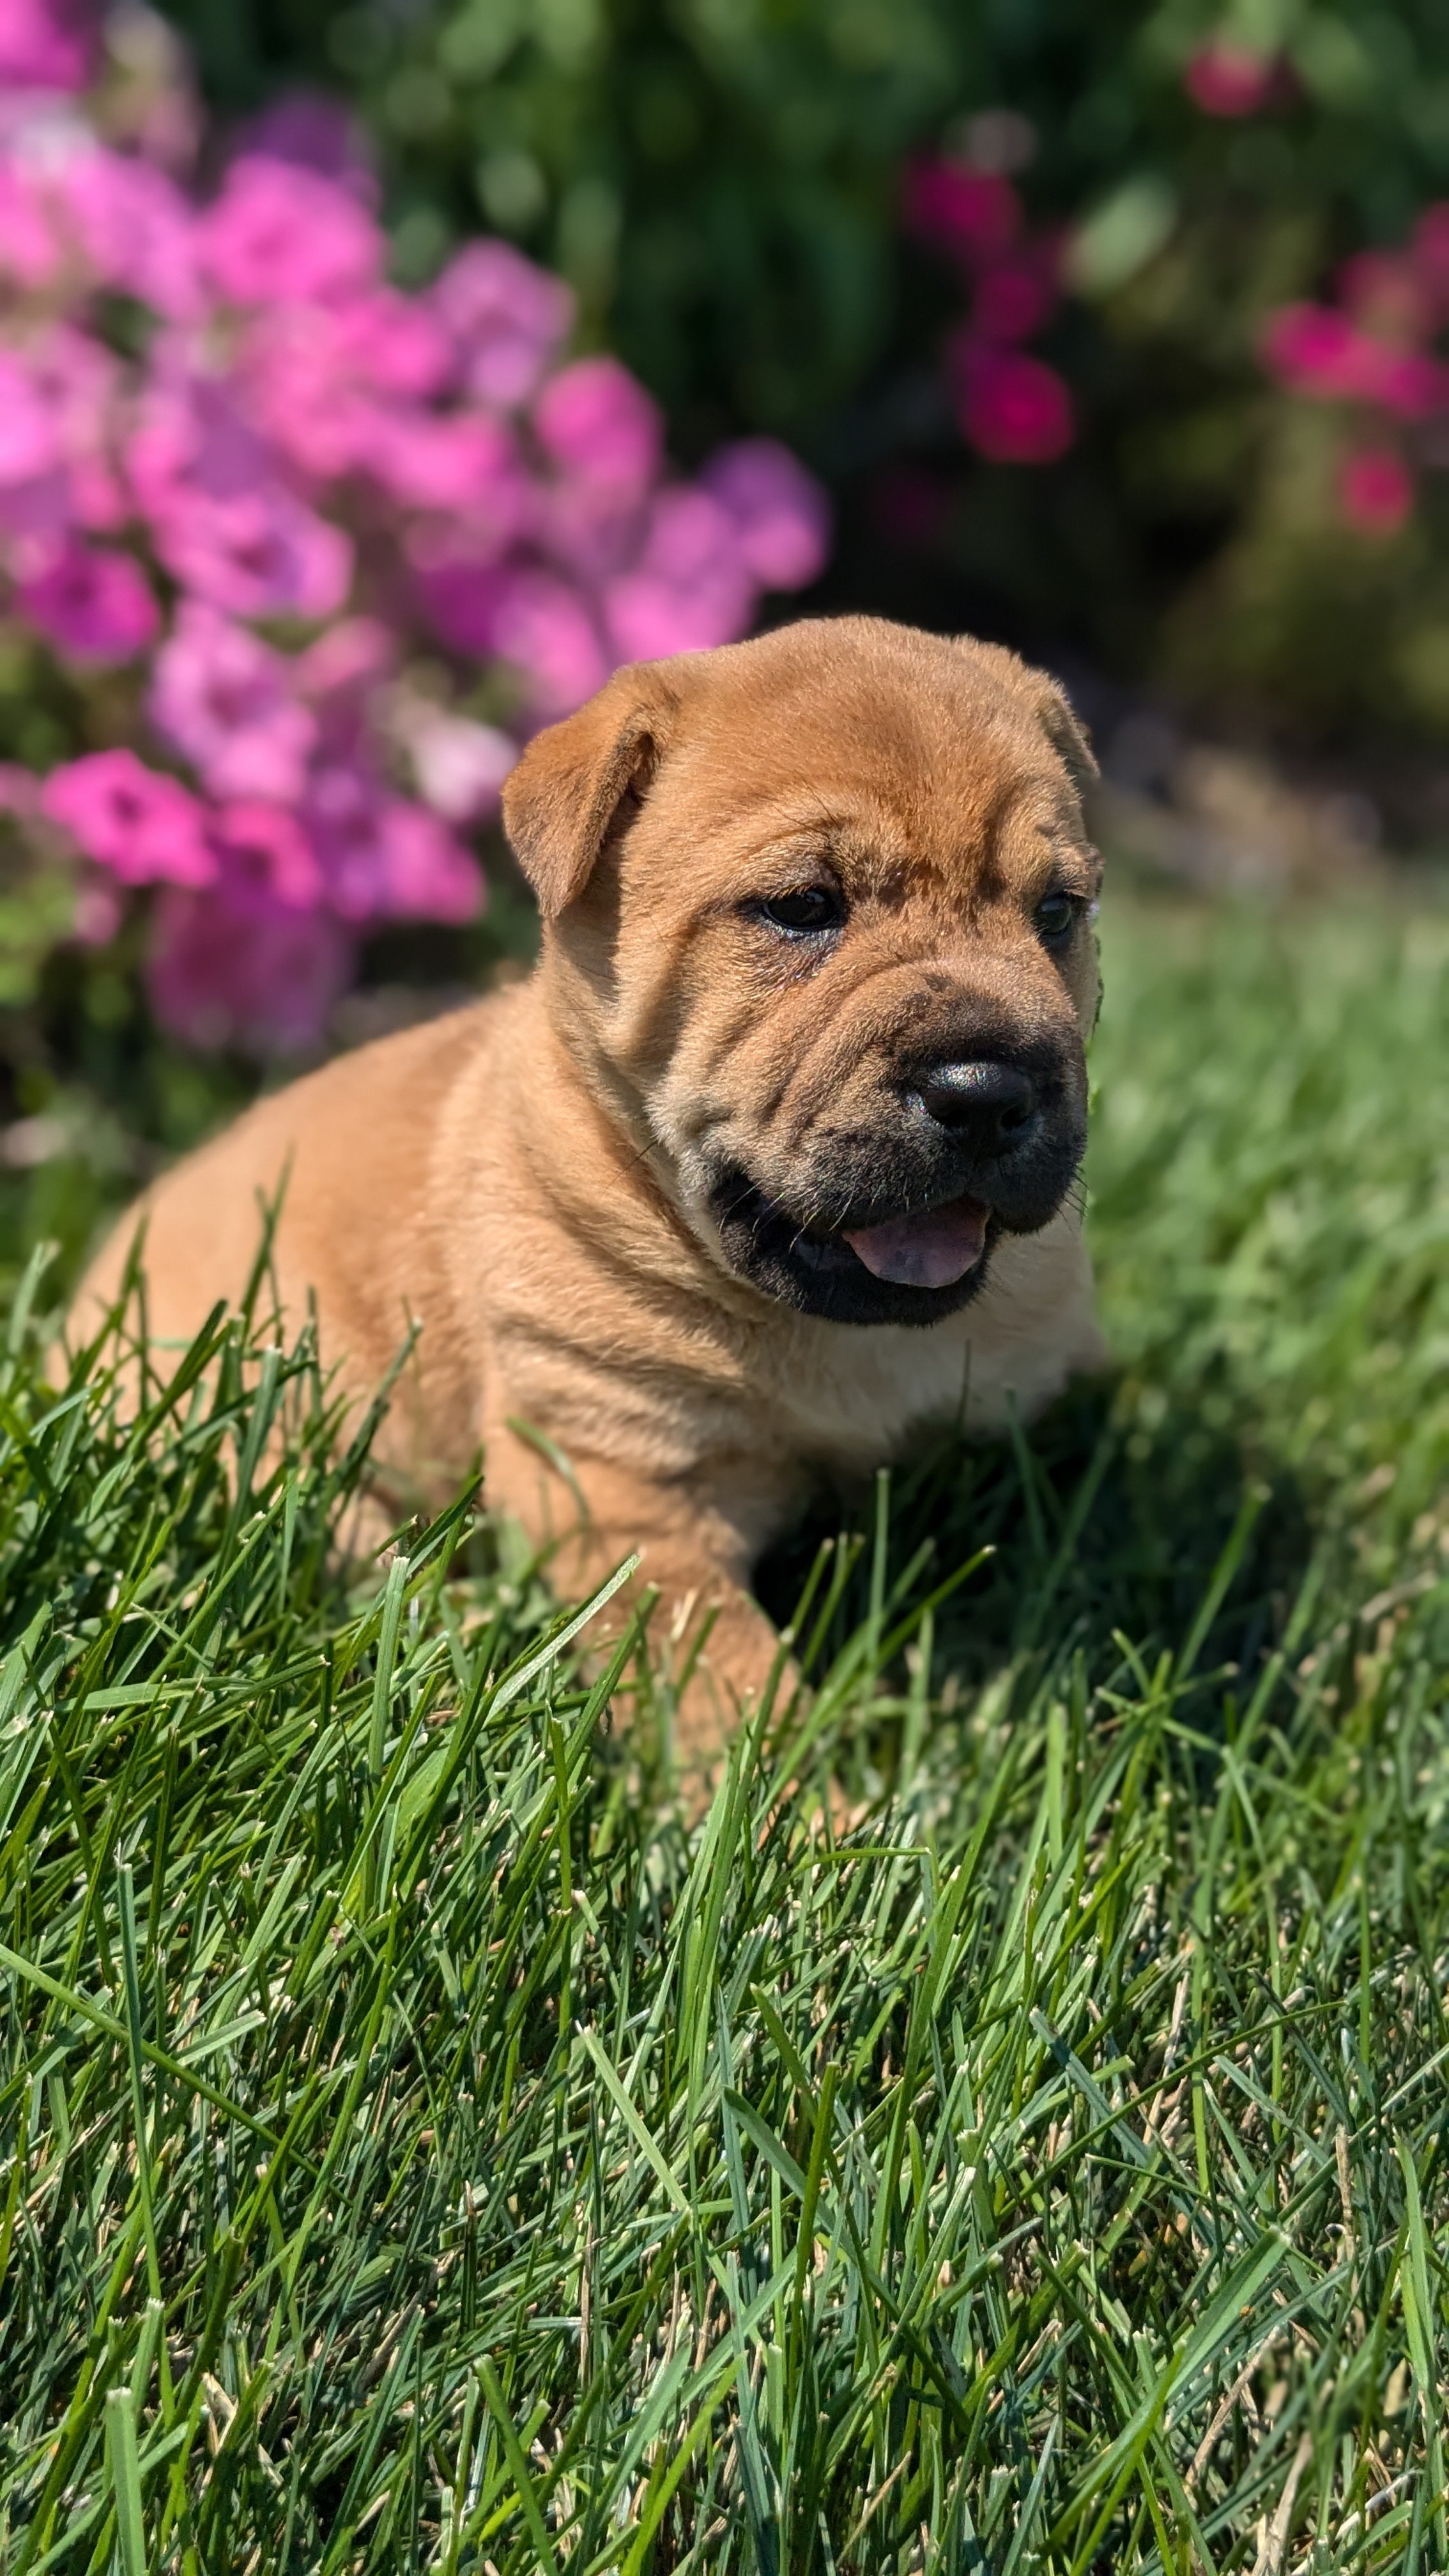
x=692, y=1552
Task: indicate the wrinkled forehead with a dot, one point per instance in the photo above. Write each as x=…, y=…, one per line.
x=953, y=777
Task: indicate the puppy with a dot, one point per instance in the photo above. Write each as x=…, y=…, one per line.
x=769, y=1163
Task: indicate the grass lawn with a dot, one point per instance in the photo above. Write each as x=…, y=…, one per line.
x=421, y=2149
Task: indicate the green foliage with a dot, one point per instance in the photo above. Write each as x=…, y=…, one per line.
x=424, y=2150
x=720, y=179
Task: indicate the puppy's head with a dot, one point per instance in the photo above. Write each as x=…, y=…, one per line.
x=817, y=920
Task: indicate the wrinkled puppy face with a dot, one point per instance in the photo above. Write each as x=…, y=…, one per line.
x=821, y=927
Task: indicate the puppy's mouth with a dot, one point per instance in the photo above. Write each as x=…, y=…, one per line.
x=933, y=1249
x=910, y=1268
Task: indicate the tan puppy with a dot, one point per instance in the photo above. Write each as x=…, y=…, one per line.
x=770, y=1162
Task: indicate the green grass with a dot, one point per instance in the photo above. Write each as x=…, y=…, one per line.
x=424, y=2149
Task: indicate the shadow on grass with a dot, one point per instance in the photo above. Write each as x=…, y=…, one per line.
x=1102, y=1524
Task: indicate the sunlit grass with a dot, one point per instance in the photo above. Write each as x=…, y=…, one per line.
x=425, y=2149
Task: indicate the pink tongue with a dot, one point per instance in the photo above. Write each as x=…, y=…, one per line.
x=931, y=1251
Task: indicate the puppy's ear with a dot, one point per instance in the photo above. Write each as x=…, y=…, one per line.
x=1067, y=734
x=579, y=780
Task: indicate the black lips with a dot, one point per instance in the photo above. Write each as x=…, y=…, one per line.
x=804, y=1262
x=816, y=1272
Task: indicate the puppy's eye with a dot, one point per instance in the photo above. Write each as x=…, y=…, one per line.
x=809, y=910
x=1055, y=917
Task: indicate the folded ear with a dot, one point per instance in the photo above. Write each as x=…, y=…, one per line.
x=1067, y=734
x=578, y=781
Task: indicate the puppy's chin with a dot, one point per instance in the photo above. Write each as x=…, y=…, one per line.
x=823, y=1274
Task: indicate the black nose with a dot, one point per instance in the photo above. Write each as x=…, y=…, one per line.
x=990, y=1105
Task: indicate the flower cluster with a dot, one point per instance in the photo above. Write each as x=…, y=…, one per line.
x=335, y=549
x=1375, y=352
x=1010, y=404
x=1226, y=77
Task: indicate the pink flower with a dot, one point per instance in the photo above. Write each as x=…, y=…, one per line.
x=975, y=213
x=193, y=436
x=1318, y=351
x=1015, y=297
x=313, y=132
x=30, y=250
x=94, y=605
x=44, y=44
x=543, y=627
x=134, y=227
x=142, y=825
x=460, y=596
x=280, y=233
x=506, y=317
x=692, y=587
x=267, y=847
x=1387, y=295
x=227, y=703
x=589, y=531
x=393, y=343
x=1013, y=408
x=260, y=555
x=459, y=766
x=780, y=513
x=463, y=462
x=32, y=475
x=233, y=967
x=1227, y=78
x=382, y=858
x=303, y=392
x=80, y=384
x=1375, y=491
x=595, y=420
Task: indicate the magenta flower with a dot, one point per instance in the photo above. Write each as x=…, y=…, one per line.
x=32, y=475
x=1015, y=409
x=314, y=132
x=1228, y=78
x=781, y=515
x=463, y=463
x=280, y=233
x=45, y=44
x=1375, y=491
x=595, y=420
x=346, y=663
x=193, y=437
x=78, y=382
x=260, y=555
x=281, y=423
x=31, y=252
x=382, y=858
x=393, y=343
x=1016, y=297
x=1388, y=296
x=228, y=704
x=267, y=847
x=974, y=213
x=692, y=588
x=134, y=228
x=146, y=828
x=543, y=627
x=92, y=604
x=234, y=967
x=506, y=318
x=1318, y=351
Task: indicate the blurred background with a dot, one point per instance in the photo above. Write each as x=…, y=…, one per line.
x=374, y=377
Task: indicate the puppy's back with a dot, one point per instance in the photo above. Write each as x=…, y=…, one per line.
x=346, y=1155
